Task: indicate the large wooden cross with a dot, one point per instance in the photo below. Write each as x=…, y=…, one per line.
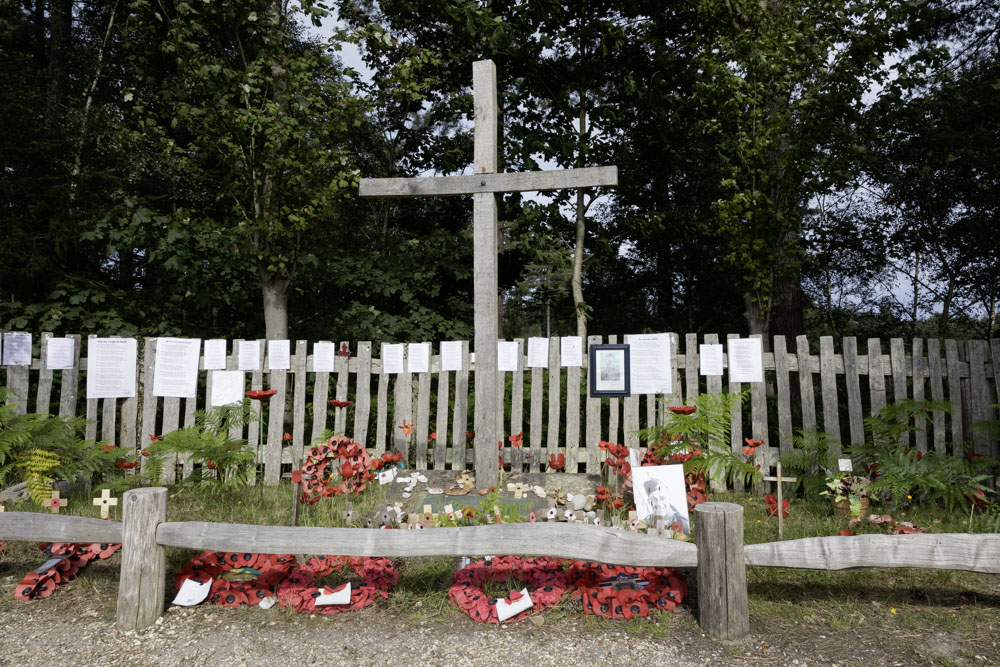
x=483, y=185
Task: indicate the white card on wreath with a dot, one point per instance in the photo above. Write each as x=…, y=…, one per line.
x=341, y=595
x=505, y=611
x=192, y=592
x=387, y=476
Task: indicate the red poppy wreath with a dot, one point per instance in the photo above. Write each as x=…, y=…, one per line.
x=377, y=574
x=546, y=581
x=624, y=592
x=316, y=474
x=237, y=578
x=66, y=561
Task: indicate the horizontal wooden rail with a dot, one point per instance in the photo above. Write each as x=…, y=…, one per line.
x=33, y=526
x=559, y=540
x=943, y=551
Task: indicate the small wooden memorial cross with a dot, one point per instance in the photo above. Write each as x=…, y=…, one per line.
x=779, y=480
x=484, y=184
x=56, y=502
x=105, y=502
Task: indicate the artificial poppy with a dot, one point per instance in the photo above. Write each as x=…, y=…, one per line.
x=683, y=409
x=340, y=404
x=126, y=465
x=406, y=428
x=557, y=461
x=772, y=505
x=261, y=394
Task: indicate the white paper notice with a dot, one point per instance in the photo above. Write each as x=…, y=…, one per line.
x=711, y=359
x=387, y=476
x=538, y=352
x=279, y=355
x=506, y=355
x=111, y=368
x=451, y=355
x=392, y=358
x=649, y=358
x=60, y=354
x=746, y=360
x=323, y=354
x=249, y=356
x=192, y=592
x=505, y=611
x=571, y=350
x=215, y=354
x=418, y=357
x=175, y=372
x=845, y=465
x=227, y=387
x=17, y=348
x=340, y=595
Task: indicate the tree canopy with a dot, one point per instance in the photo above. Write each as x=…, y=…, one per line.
x=785, y=166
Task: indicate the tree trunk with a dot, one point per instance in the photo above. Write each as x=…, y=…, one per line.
x=61, y=26
x=274, y=287
x=576, y=281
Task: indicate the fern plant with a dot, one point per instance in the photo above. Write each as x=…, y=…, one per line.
x=708, y=430
x=41, y=449
x=208, y=443
x=813, y=458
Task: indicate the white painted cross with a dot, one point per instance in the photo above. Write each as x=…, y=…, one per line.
x=483, y=185
x=56, y=502
x=105, y=502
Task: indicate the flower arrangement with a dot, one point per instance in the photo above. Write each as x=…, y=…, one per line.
x=625, y=592
x=296, y=591
x=545, y=578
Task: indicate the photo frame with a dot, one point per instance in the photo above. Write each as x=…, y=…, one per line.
x=609, y=370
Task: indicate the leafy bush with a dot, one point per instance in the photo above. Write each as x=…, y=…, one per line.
x=207, y=442
x=41, y=449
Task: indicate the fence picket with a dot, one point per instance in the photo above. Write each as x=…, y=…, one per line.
x=736, y=416
x=423, y=422
x=828, y=383
x=70, y=382
x=461, y=422
x=979, y=395
x=299, y=370
x=937, y=391
x=593, y=409
x=806, y=392
x=919, y=367
x=573, y=417
x=690, y=368
x=876, y=375
x=555, y=403
x=613, y=406
x=321, y=399
x=954, y=391
x=43, y=396
x=897, y=361
x=853, y=382
x=441, y=418
x=362, y=396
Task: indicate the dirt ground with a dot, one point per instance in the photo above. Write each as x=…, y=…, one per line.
x=76, y=627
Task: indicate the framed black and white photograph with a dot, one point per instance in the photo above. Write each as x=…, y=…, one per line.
x=609, y=370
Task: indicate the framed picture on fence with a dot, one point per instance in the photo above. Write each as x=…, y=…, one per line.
x=609, y=370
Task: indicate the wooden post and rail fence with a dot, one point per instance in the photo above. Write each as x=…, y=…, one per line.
x=718, y=554
x=832, y=391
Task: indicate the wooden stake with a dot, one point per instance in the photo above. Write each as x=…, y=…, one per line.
x=778, y=479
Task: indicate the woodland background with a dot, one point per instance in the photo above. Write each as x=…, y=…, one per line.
x=786, y=167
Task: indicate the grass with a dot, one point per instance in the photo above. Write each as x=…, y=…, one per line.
x=869, y=599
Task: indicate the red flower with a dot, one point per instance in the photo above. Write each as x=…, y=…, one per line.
x=154, y=438
x=516, y=440
x=108, y=448
x=376, y=464
x=125, y=465
x=392, y=457
x=845, y=533
x=406, y=428
x=211, y=465
x=261, y=394
x=772, y=505
x=513, y=597
x=682, y=410
x=557, y=461
x=296, y=477
x=344, y=351
x=145, y=452
x=468, y=512
x=287, y=437
x=617, y=503
x=432, y=437
x=470, y=434
x=340, y=404
x=603, y=493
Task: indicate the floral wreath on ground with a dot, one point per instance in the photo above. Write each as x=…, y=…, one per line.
x=296, y=590
x=355, y=471
x=237, y=578
x=545, y=579
x=70, y=559
x=624, y=592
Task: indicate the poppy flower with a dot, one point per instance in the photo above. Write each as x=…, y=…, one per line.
x=154, y=438
x=287, y=437
x=406, y=428
x=470, y=434
x=211, y=465
x=682, y=410
x=845, y=533
x=557, y=461
x=340, y=404
x=126, y=465
x=772, y=505
x=516, y=440
x=108, y=448
x=432, y=437
x=261, y=394
x=296, y=477
x=145, y=452
x=617, y=503
x=344, y=351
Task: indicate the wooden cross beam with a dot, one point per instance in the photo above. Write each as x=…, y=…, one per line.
x=779, y=480
x=56, y=502
x=105, y=502
x=484, y=184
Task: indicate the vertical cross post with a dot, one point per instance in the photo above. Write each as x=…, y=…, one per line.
x=484, y=215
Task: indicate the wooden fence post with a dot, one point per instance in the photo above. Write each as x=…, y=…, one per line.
x=722, y=578
x=143, y=575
